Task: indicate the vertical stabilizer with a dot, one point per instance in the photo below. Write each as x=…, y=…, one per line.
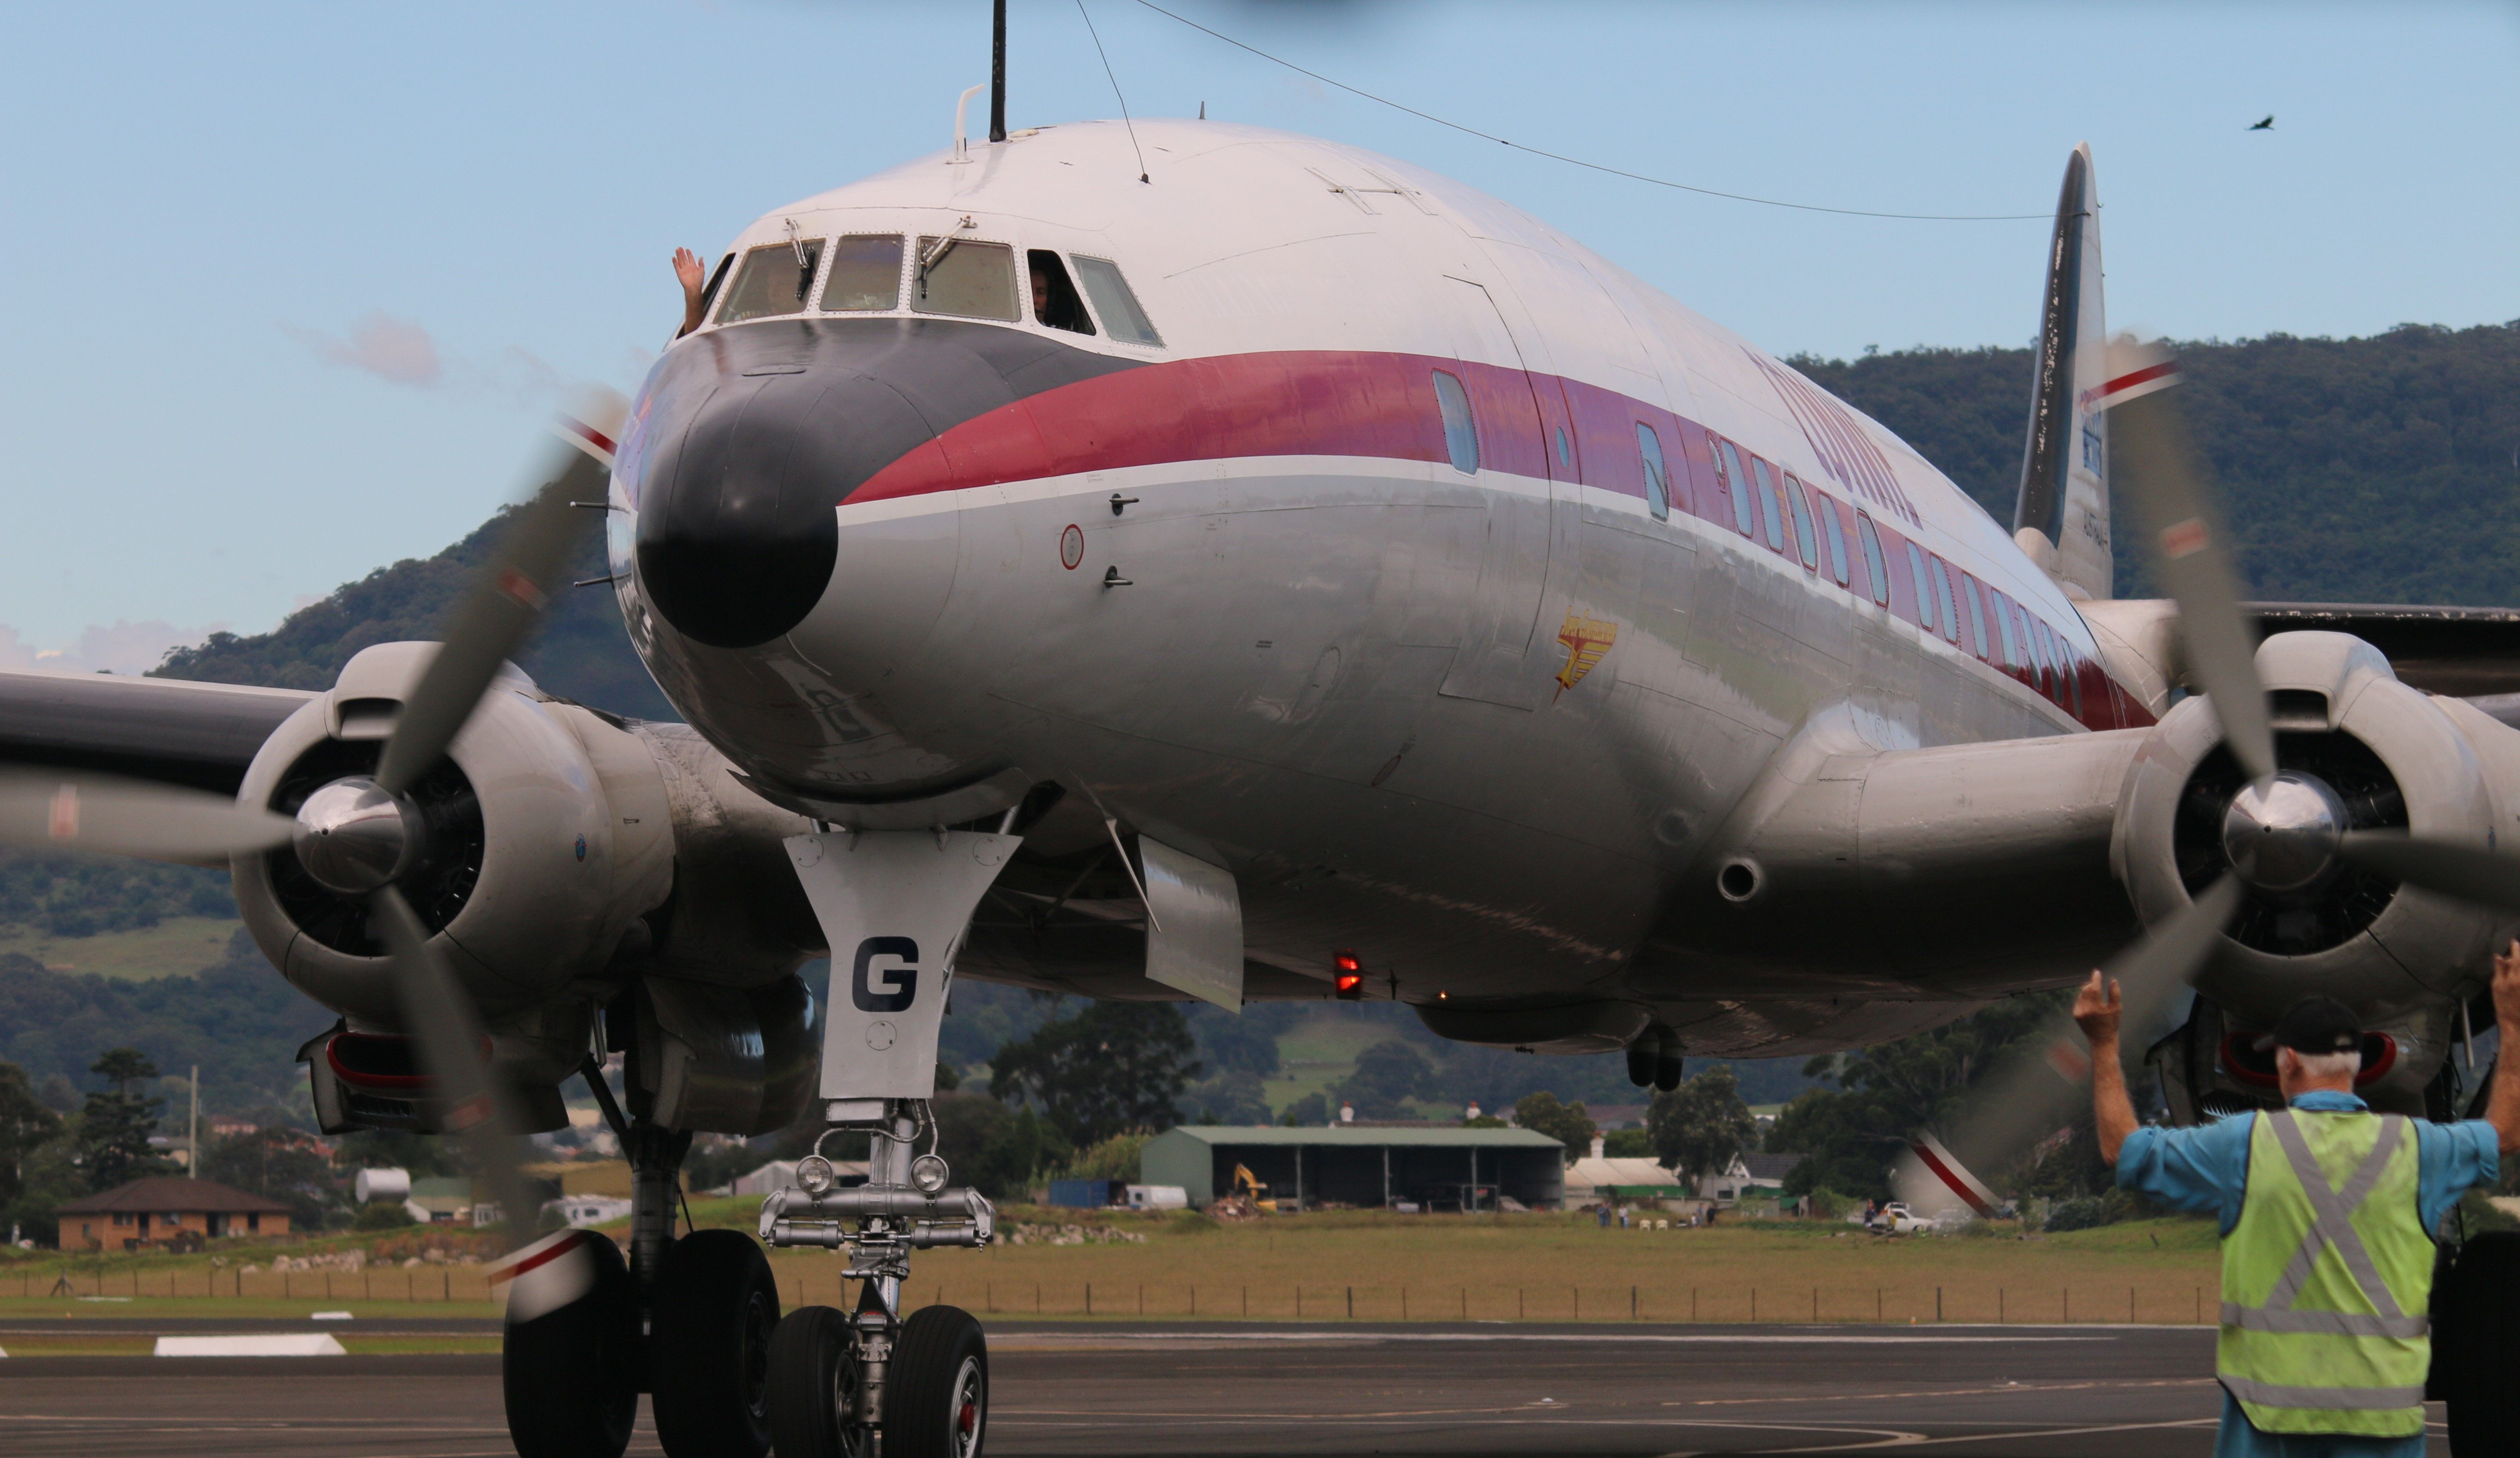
x=2064, y=499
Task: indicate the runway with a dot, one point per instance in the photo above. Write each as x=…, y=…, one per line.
x=2012, y=1392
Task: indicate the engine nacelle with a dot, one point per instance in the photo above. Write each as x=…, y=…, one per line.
x=546, y=836
x=2394, y=759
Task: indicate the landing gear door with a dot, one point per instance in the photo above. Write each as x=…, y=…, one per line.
x=893, y=904
x=1194, y=936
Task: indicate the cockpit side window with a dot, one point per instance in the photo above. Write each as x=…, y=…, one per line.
x=866, y=274
x=773, y=281
x=1054, y=304
x=717, y=278
x=1657, y=477
x=967, y=279
x=1122, y=319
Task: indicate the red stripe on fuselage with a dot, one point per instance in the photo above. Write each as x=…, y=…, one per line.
x=1338, y=403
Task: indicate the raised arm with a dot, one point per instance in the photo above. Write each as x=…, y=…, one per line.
x=686, y=267
x=2503, y=1107
x=2097, y=1009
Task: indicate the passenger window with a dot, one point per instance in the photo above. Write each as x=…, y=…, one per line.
x=1657, y=480
x=1122, y=319
x=772, y=281
x=2039, y=656
x=1877, y=568
x=1770, y=511
x=866, y=274
x=1805, y=538
x=1566, y=457
x=1054, y=304
x=1976, y=613
x=2004, y=630
x=1834, y=532
x=1461, y=430
x=1924, y=587
x=965, y=279
x=2073, y=674
x=1950, y=610
x=1736, y=483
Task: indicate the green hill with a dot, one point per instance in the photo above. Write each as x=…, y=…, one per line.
x=580, y=652
x=2384, y=470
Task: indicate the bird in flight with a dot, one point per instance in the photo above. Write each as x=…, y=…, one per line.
x=2266, y=125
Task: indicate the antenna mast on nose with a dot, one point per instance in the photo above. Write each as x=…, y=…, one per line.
x=998, y=74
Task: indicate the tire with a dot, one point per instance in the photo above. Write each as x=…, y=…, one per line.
x=937, y=1395
x=2476, y=1353
x=813, y=1382
x=571, y=1376
x=714, y=1308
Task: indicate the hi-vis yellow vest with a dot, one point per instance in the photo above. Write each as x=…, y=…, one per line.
x=2327, y=1278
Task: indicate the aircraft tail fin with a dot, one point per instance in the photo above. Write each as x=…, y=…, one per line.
x=2062, y=517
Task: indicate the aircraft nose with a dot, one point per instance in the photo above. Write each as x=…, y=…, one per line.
x=757, y=435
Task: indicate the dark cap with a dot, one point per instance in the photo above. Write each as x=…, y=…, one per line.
x=2319, y=1025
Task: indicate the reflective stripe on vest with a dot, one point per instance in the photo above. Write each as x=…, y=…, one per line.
x=2353, y=1361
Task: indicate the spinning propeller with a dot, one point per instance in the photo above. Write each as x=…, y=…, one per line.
x=357, y=834
x=2284, y=831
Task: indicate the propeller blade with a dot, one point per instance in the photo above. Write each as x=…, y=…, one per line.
x=132, y=817
x=2489, y=878
x=506, y=599
x=2158, y=469
x=472, y=1106
x=2037, y=1091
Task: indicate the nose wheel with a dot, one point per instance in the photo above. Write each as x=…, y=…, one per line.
x=933, y=1401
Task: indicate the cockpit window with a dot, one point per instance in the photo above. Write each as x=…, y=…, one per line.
x=1054, y=304
x=1122, y=319
x=866, y=274
x=960, y=277
x=772, y=281
x=718, y=281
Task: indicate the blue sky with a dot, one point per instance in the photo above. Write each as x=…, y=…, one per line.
x=296, y=285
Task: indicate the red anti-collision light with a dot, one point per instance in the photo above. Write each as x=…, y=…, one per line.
x=1350, y=977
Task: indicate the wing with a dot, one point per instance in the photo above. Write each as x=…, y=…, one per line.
x=167, y=729
x=2465, y=652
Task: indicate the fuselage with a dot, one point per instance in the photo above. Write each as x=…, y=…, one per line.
x=1321, y=516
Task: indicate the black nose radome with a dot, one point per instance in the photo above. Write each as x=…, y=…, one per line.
x=754, y=434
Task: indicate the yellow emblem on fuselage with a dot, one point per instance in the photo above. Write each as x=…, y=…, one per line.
x=1586, y=640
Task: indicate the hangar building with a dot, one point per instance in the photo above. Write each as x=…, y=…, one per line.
x=1434, y=1168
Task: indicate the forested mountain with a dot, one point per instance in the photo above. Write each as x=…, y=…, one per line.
x=2384, y=470
x=579, y=652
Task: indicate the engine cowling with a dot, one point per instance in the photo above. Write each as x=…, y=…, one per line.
x=542, y=836
x=2360, y=752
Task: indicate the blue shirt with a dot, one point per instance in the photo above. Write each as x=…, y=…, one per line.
x=2206, y=1170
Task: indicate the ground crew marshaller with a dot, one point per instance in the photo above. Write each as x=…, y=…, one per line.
x=2328, y=1212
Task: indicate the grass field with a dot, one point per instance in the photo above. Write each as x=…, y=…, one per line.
x=179, y=944
x=1371, y=1266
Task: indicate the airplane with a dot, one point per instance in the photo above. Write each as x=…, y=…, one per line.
x=1273, y=571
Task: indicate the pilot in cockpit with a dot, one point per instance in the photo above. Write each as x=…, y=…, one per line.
x=1054, y=299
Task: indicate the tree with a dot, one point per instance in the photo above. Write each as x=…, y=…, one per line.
x=1234, y=1096
x=1115, y=1066
x=1310, y=1108
x=1888, y=1092
x=115, y=1126
x=1387, y=1075
x=994, y=1149
x=1698, y=1127
x=1628, y=1144
x=24, y=1124
x=1570, y=1124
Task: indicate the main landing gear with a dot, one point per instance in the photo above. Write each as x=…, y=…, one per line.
x=870, y=1383
x=689, y=1321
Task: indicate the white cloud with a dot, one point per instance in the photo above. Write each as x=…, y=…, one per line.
x=125, y=647
x=391, y=348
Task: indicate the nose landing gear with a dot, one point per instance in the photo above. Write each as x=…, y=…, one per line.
x=871, y=1384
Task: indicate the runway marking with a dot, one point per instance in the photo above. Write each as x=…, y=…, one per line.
x=1919, y=1440
x=2017, y=1387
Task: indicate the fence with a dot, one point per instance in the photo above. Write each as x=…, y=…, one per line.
x=2139, y=1304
